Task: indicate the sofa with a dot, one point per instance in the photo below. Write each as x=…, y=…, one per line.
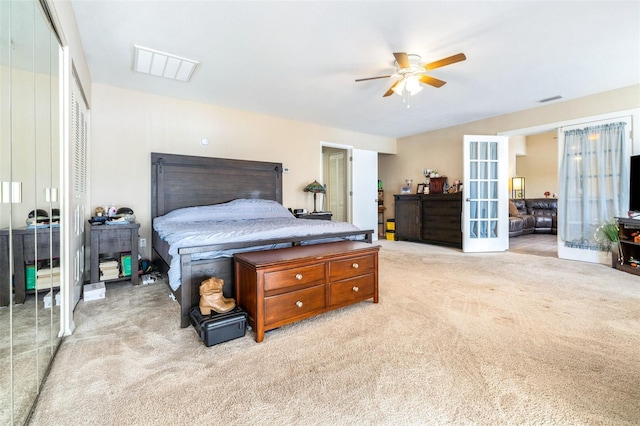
x=532, y=215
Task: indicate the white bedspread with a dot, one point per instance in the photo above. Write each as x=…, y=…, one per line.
x=197, y=230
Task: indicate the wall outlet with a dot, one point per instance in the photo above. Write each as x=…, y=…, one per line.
x=143, y=242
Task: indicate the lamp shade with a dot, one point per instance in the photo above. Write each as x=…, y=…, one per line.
x=315, y=187
x=517, y=187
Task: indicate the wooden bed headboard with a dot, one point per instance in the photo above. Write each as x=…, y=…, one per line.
x=184, y=181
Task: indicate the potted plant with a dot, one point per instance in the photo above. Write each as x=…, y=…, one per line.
x=608, y=235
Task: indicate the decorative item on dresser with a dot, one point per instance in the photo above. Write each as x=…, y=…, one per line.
x=278, y=287
x=429, y=218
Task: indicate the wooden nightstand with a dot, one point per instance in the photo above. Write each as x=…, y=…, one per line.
x=114, y=239
x=317, y=216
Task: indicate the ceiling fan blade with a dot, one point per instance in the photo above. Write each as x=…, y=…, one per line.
x=402, y=59
x=446, y=61
x=431, y=81
x=372, y=78
x=390, y=91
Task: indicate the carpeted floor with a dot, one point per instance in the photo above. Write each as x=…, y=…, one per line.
x=34, y=341
x=487, y=339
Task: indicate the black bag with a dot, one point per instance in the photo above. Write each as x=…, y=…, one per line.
x=217, y=328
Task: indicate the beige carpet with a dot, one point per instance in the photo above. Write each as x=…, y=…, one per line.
x=486, y=339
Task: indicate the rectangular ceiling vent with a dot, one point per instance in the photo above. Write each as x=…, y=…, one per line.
x=161, y=64
x=553, y=98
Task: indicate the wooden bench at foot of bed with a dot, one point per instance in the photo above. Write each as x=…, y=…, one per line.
x=279, y=287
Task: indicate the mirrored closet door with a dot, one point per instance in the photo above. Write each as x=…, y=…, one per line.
x=30, y=303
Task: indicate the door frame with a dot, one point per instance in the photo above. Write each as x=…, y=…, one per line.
x=348, y=183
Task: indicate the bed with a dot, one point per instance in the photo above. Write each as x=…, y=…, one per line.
x=180, y=183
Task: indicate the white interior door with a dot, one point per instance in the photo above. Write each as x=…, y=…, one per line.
x=364, y=190
x=485, y=219
x=74, y=159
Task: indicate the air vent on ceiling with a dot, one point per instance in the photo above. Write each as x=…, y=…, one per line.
x=553, y=98
x=161, y=64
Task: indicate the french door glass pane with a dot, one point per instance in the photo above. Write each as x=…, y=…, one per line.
x=473, y=151
x=483, y=170
x=483, y=229
x=493, y=190
x=484, y=211
x=494, y=209
x=483, y=189
x=473, y=190
x=483, y=150
x=494, y=229
x=473, y=232
x=493, y=147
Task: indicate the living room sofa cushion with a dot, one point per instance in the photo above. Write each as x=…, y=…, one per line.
x=545, y=211
x=520, y=222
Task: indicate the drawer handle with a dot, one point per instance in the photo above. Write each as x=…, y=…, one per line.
x=355, y=265
x=299, y=304
x=355, y=288
x=298, y=276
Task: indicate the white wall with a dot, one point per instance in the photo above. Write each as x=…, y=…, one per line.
x=127, y=126
x=539, y=166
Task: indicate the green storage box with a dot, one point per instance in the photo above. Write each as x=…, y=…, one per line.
x=125, y=264
x=30, y=274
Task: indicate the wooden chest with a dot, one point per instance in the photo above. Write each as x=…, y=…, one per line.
x=278, y=287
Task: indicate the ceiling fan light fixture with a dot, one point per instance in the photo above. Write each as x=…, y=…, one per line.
x=408, y=85
x=412, y=84
x=161, y=64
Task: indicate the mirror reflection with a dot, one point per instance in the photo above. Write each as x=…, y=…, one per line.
x=29, y=205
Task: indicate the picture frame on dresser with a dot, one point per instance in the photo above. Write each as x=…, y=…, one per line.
x=420, y=188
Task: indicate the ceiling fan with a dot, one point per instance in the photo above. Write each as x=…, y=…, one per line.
x=411, y=73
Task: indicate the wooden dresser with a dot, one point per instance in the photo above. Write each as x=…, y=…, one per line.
x=278, y=287
x=429, y=218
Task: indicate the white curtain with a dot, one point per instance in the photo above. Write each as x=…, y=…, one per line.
x=594, y=181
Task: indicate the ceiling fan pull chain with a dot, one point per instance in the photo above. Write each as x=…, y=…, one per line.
x=406, y=97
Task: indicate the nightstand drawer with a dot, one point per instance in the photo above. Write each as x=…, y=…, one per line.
x=114, y=240
x=294, y=277
x=295, y=304
x=351, y=290
x=352, y=267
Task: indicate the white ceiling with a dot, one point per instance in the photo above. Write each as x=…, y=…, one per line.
x=299, y=59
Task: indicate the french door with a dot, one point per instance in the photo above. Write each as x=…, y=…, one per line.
x=485, y=219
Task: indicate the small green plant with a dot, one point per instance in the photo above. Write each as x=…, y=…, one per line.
x=608, y=236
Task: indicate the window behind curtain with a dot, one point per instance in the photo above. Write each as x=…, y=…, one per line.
x=594, y=181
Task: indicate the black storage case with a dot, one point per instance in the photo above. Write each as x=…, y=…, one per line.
x=217, y=328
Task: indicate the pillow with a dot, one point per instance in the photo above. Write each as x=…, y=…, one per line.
x=233, y=210
x=513, y=210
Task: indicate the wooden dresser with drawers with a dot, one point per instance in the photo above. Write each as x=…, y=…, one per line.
x=278, y=287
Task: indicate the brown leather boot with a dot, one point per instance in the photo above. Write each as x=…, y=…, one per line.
x=211, y=297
